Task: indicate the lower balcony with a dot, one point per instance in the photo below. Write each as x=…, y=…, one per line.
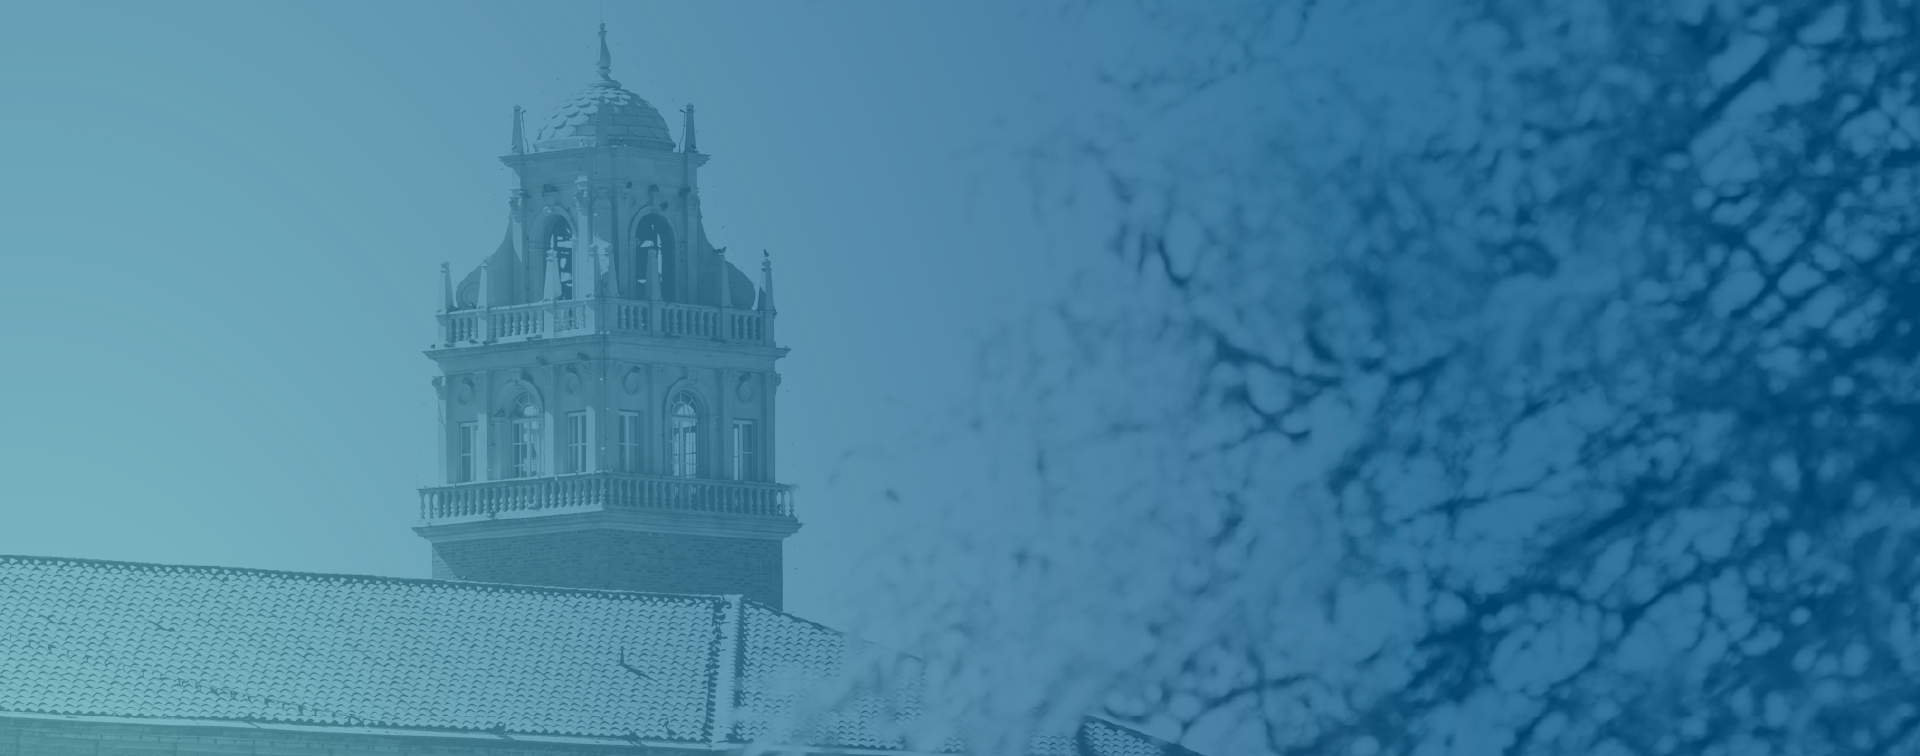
x=604, y=491
x=580, y=317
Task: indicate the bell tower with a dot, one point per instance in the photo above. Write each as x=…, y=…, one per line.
x=607, y=382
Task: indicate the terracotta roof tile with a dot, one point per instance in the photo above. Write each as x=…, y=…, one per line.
x=117, y=639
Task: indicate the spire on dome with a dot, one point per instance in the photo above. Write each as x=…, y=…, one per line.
x=606, y=62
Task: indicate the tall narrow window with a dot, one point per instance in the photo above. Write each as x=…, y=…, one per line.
x=683, y=436
x=525, y=417
x=469, y=453
x=560, y=242
x=653, y=243
x=746, y=450
x=576, y=442
x=630, y=442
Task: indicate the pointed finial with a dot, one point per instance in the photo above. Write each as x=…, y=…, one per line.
x=766, y=281
x=446, y=287
x=691, y=146
x=519, y=130
x=606, y=62
x=486, y=285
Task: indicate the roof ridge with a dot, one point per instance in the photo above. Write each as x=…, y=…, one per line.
x=747, y=602
x=356, y=577
x=844, y=634
x=1167, y=747
x=724, y=690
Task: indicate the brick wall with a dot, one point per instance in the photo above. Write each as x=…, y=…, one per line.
x=620, y=560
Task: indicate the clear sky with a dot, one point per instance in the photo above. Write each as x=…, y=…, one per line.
x=226, y=222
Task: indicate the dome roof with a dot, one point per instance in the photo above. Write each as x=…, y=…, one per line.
x=602, y=115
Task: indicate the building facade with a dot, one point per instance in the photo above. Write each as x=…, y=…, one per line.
x=608, y=380
x=606, y=533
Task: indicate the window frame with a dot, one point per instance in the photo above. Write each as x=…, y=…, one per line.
x=576, y=429
x=560, y=242
x=627, y=437
x=523, y=423
x=466, y=460
x=746, y=451
x=683, y=436
x=653, y=245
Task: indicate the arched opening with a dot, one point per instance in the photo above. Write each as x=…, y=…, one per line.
x=653, y=250
x=683, y=436
x=559, y=244
x=524, y=416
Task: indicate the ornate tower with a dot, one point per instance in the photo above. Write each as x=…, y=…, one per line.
x=607, y=376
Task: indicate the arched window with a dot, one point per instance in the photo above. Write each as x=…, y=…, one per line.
x=560, y=243
x=653, y=246
x=683, y=436
x=525, y=417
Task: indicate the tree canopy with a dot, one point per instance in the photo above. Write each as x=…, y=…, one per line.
x=1474, y=377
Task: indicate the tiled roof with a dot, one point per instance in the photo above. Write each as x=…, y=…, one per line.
x=148, y=641
x=142, y=640
x=604, y=115
x=782, y=698
x=1101, y=738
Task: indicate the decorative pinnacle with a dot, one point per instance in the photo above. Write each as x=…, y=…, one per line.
x=766, y=281
x=687, y=132
x=519, y=126
x=606, y=62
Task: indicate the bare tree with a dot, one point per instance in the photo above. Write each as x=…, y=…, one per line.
x=1487, y=377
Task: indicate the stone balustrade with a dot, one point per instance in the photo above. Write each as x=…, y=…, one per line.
x=605, y=491
x=552, y=319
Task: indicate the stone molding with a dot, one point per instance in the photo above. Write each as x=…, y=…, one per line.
x=510, y=524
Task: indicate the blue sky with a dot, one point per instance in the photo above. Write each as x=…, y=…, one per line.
x=227, y=222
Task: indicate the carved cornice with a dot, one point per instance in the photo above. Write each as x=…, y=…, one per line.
x=540, y=522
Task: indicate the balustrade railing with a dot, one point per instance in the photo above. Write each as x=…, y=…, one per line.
x=606, y=491
x=461, y=329
x=575, y=317
x=630, y=317
x=690, y=320
x=746, y=326
x=503, y=325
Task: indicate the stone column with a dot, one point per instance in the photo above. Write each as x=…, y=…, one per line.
x=484, y=328
x=483, y=428
x=550, y=416
x=440, y=393
x=726, y=283
x=552, y=289
x=446, y=305
x=584, y=237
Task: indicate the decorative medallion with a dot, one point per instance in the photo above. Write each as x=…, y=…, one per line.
x=463, y=393
x=745, y=389
x=632, y=381
x=571, y=382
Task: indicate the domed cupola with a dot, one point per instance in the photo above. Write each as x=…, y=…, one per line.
x=604, y=115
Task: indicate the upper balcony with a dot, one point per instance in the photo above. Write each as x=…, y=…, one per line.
x=522, y=497
x=581, y=317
